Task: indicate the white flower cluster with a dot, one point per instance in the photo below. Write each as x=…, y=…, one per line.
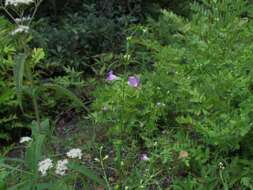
x=61, y=167
x=25, y=139
x=20, y=29
x=221, y=166
x=44, y=166
x=18, y=2
x=22, y=19
x=75, y=153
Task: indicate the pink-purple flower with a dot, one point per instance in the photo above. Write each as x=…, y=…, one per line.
x=111, y=76
x=134, y=81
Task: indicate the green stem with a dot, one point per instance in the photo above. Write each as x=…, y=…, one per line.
x=223, y=181
x=33, y=95
x=103, y=168
x=8, y=13
x=37, y=4
x=34, y=100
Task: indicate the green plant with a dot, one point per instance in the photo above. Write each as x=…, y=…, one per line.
x=28, y=174
x=18, y=54
x=25, y=60
x=197, y=85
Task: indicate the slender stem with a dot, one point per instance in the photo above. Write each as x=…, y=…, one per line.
x=8, y=13
x=37, y=4
x=223, y=181
x=29, y=72
x=103, y=168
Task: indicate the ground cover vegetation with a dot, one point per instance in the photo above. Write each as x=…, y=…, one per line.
x=126, y=95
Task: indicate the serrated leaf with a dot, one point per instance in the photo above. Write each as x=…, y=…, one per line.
x=37, y=55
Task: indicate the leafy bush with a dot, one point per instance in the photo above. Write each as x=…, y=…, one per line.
x=196, y=88
x=173, y=113
x=9, y=105
x=77, y=35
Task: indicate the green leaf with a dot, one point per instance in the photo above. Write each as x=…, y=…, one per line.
x=18, y=186
x=34, y=153
x=6, y=166
x=19, y=65
x=60, y=186
x=66, y=93
x=4, y=136
x=37, y=55
x=86, y=172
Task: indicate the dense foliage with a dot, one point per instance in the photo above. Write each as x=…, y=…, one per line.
x=127, y=95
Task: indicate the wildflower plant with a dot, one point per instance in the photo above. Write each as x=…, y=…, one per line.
x=38, y=170
x=195, y=100
x=34, y=166
x=25, y=58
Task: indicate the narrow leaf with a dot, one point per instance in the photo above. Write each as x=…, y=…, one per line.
x=86, y=172
x=19, y=65
x=66, y=93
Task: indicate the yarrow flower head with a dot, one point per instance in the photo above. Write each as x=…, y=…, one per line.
x=111, y=76
x=134, y=81
x=61, y=167
x=18, y=2
x=20, y=29
x=75, y=153
x=22, y=19
x=25, y=139
x=44, y=166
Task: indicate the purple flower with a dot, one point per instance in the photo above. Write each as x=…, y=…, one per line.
x=144, y=157
x=111, y=76
x=133, y=81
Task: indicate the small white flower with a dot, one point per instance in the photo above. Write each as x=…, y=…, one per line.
x=221, y=166
x=96, y=159
x=105, y=108
x=144, y=30
x=18, y=2
x=144, y=157
x=20, y=29
x=61, y=167
x=106, y=157
x=129, y=38
x=75, y=153
x=44, y=166
x=25, y=139
x=127, y=57
x=159, y=104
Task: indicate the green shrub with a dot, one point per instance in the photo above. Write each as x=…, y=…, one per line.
x=8, y=103
x=200, y=71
